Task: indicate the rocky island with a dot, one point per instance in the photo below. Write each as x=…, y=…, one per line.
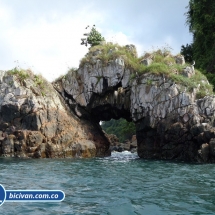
x=171, y=103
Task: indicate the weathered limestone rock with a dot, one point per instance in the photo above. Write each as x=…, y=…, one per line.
x=179, y=59
x=132, y=49
x=189, y=71
x=116, y=145
x=36, y=122
x=95, y=80
x=170, y=122
x=147, y=60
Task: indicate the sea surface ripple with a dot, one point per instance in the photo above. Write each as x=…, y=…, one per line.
x=121, y=184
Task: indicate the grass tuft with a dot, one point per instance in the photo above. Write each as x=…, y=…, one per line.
x=39, y=81
x=163, y=63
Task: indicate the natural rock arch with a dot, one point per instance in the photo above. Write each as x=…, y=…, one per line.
x=170, y=122
x=39, y=119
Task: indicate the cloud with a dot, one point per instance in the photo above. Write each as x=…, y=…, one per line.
x=50, y=45
x=5, y=14
x=45, y=35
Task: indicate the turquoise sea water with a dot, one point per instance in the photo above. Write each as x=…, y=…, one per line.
x=119, y=185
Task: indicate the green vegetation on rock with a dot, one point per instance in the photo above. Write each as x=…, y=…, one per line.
x=201, y=22
x=65, y=76
x=20, y=74
x=162, y=63
x=38, y=81
x=121, y=128
x=93, y=38
x=187, y=52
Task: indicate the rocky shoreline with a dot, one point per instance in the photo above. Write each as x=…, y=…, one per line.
x=36, y=123
x=40, y=119
x=128, y=145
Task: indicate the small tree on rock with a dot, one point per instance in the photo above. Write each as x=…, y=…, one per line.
x=93, y=38
x=187, y=51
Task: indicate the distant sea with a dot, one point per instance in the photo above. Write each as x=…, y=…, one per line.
x=121, y=184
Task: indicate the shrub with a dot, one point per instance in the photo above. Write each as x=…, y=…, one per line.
x=20, y=74
x=93, y=38
x=163, y=64
x=38, y=80
x=121, y=128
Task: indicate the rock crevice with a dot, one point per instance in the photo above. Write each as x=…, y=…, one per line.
x=36, y=125
x=171, y=123
x=63, y=120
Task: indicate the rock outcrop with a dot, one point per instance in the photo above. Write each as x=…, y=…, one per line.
x=128, y=145
x=171, y=123
x=36, y=122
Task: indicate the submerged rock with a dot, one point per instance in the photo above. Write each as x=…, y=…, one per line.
x=116, y=145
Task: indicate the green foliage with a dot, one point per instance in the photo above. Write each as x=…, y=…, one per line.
x=133, y=76
x=22, y=75
x=19, y=73
x=201, y=21
x=72, y=69
x=38, y=80
x=149, y=82
x=42, y=84
x=187, y=52
x=157, y=68
x=196, y=81
x=106, y=55
x=93, y=38
x=163, y=64
x=65, y=76
x=210, y=77
x=121, y=128
x=201, y=94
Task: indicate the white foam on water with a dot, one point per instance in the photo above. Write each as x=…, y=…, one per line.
x=123, y=156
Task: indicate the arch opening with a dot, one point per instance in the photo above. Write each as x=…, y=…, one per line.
x=107, y=112
x=121, y=134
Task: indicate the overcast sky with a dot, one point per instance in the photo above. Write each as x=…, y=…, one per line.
x=44, y=35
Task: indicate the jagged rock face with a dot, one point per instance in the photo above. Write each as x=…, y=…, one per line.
x=100, y=90
x=64, y=122
x=115, y=144
x=179, y=59
x=38, y=126
x=170, y=122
